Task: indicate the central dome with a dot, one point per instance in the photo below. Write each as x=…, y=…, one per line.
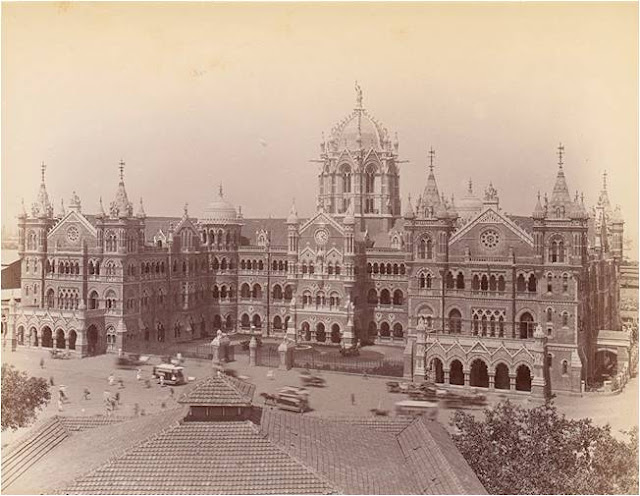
x=359, y=131
x=219, y=211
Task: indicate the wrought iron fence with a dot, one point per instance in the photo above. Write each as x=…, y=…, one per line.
x=310, y=359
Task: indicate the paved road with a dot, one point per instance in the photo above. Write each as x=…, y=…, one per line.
x=620, y=411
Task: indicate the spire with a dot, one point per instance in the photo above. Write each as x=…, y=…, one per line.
x=603, y=199
x=121, y=207
x=101, y=211
x=470, y=190
x=23, y=212
x=42, y=206
x=61, y=212
x=358, y=97
x=220, y=192
x=185, y=214
x=293, y=213
x=538, y=211
x=141, y=213
x=431, y=196
x=560, y=197
x=432, y=156
x=408, y=212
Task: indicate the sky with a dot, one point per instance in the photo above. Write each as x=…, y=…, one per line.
x=194, y=95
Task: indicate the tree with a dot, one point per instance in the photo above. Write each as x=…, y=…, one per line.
x=516, y=450
x=22, y=397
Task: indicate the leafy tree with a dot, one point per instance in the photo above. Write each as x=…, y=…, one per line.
x=516, y=450
x=22, y=397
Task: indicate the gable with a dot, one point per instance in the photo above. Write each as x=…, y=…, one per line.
x=491, y=234
x=71, y=233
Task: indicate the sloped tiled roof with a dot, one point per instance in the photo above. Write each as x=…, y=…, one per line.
x=204, y=458
x=277, y=228
x=400, y=455
x=358, y=459
x=219, y=391
x=436, y=463
x=523, y=221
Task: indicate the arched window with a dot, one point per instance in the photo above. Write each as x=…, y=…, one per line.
x=526, y=325
x=422, y=279
x=520, y=284
x=549, y=315
x=93, y=300
x=455, y=321
x=422, y=249
x=372, y=297
x=244, y=321
x=565, y=319
x=492, y=283
x=376, y=269
x=565, y=283
x=475, y=282
x=245, y=291
x=402, y=269
x=549, y=283
x=484, y=283
x=335, y=333
x=460, y=281
x=311, y=268
x=256, y=292
x=565, y=367
x=306, y=298
x=501, y=326
x=50, y=298
x=337, y=269
x=385, y=297
x=501, y=283
x=277, y=292
x=369, y=268
x=476, y=326
x=260, y=265
x=215, y=293
x=450, y=281
x=532, y=285
x=398, y=297
x=288, y=293
x=429, y=281
x=330, y=269
x=304, y=268
x=397, y=330
x=277, y=323
x=385, y=330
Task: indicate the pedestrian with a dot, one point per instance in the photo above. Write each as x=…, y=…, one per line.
x=117, y=397
x=42, y=363
x=161, y=380
x=353, y=399
x=147, y=383
x=111, y=379
x=121, y=383
x=139, y=375
x=86, y=393
x=51, y=380
x=171, y=392
x=59, y=404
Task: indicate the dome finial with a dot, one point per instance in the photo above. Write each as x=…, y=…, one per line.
x=358, y=97
x=43, y=168
x=186, y=209
x=470, y=186
x=121, y=167
x=604, y=181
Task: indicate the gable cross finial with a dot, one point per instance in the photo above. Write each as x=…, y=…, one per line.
x=604, y=180
x=432, y=155
x=121, y=167
x=220, y=189
x=560, y=154
x=43, y=168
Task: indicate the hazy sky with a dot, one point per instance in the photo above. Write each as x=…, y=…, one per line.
x=191, y=95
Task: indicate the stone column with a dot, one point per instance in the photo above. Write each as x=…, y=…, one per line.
x=348, y=340
x=492, y=382
x=467, y=378
x=446, y=376
x=219, y=350
x=253, y=351
x=512, y=382
x=285, y=350
x=539, y=351
x=419, y=356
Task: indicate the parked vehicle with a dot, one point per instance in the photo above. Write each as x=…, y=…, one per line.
x=60, y=354
x=171, y=374
x=130, y=361
x=413, y=407
x=393, y=387
x=308, y=379
x=292, y=398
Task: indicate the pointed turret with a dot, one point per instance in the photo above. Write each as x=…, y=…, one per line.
x=101, y=209
x=61, y=211
x=293, y=214
x=560, y=204
x=121, y=207
x=408, y=212
x=538, y=211
x=42, y=206
x=141, y=213
x=603, y=199
x=23, y=212
x=431, y=196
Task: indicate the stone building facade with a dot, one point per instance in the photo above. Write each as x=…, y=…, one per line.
x=475, y=296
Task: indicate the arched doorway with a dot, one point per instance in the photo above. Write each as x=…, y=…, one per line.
x=335, y=333
x=60, y=344
x=455, y=321
x=501, y=379
x=33, y=336
x=479, y=374
x=606, y=364
x=321, y=335
x=456, y=374
x=436, y=371
x=526, y=326
x=47, y=338
x=217, y=322
x=73, y=336
x=523, y=378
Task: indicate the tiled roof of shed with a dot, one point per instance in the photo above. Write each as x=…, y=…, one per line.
x=358, y=459
x=220, y=391
x=204, y=458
